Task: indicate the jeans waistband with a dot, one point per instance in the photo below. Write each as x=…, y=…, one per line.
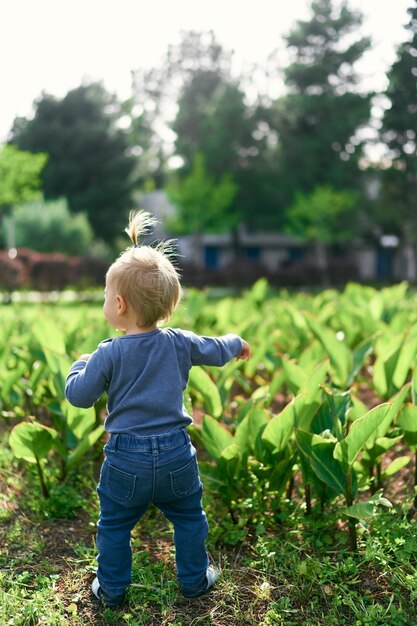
x=151, y=443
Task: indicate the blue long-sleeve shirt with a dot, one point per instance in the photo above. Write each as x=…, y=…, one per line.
x=145, y=376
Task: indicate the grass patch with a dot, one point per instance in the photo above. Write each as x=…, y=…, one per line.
x=295, y=570
x=286, y=578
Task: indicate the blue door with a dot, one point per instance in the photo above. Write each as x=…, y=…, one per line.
x=253, y=253
x=211, y=257
x=384, y=263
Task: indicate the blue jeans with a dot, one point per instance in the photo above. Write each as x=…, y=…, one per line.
x=137, y=471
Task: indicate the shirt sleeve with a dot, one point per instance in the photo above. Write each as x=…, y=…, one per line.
x=88, y=380
x=214, y=350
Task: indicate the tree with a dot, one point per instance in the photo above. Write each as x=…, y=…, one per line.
x=324, y=216
x=211, y=118
x=399, y=127
x=204, y=205
x=156, y=93
x=20, y=175
x=318, y=121
x=143, y=132
x=88, y=161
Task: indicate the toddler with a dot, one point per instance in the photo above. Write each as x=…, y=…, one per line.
x=148, y=456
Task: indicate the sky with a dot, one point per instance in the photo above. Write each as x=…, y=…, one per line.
x=55, y=45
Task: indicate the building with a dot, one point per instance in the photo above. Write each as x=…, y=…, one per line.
x=291, y=260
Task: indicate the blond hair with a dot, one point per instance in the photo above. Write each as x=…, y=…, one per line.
x=145, y=276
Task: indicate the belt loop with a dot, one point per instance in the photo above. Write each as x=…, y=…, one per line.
x=155, y=447
x=115, y=437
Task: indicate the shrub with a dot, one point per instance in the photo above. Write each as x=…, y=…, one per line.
x=13, y=272
x=50, y=227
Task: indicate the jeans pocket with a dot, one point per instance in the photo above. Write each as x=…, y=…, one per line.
x=185, y=480
x=120, y=486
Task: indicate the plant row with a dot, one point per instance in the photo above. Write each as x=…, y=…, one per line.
x=325, y=408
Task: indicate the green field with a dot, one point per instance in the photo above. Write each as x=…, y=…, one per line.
x=307, y=454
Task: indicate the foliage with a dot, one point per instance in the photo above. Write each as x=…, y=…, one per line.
x=318, y=119
x=268, y=580
x=324, y=215
x=293, y=414
x=194, y=103
x=399, y=122
x=203, y=205
x=154, y=91
x=288, y=448
x=19, y=175
x=87, y=161
x=214, y=119
x=37, y=388
x=49, y=227
x=398, y=133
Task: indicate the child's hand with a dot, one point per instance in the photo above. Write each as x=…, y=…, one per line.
x=84, y=357
x=245, y=354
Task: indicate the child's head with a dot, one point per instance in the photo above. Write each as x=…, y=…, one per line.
x=145, y=276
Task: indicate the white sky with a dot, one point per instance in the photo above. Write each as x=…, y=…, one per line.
x=52, y=45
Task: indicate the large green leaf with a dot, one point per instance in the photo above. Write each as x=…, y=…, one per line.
x=279, y=430
x=315, y=378
x=242, y=436
x=414, y=386
x=295, y=375
x=59, y=366
x=79, y=421
x=359, y=356
x=31, y=441
x=385, y=366
x=339, y=354
x=281, y=474
x=231, y=453
x=258, y=420
x=320, y=452
x=405, y=362
x=395, y=466
x=9, y=379
x=397, y=401
x=84, y=446
x=49, y=335
x=337, y=405
x=379, y=447
x=277, y=382
x=307, y=407
x=407, y=421
x=361, y=430
x=200, y=381
x=215, y=437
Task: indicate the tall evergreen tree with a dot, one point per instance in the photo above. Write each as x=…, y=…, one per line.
x=88, y=161
x=214, y=120
x=399, y=128
x=318, y=120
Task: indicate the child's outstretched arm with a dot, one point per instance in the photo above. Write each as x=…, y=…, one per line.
x=216, y=350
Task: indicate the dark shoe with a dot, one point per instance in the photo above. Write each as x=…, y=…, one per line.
x=211, y=576
x=113, y=602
